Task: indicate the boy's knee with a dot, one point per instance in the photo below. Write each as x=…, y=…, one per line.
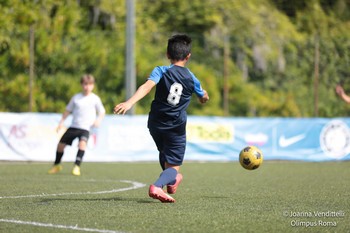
x=176, y=167
x=60, y=147
x=82, y=144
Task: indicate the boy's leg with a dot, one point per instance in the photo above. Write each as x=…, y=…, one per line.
x=65, y=140
x=81, y=152
x=175, y=150
x=168, y=176
x=172, y=187
x=162, y=160
x=158, y=139
x=79, y=158
x=172, y=148
x=59, y=152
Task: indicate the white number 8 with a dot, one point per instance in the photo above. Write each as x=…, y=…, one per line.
x=175, y=94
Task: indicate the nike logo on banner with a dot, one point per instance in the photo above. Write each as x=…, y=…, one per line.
x=285, y=142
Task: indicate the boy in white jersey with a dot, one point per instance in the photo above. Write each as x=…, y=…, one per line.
x=88, y=111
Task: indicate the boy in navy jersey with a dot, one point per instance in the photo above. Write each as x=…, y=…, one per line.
x=175, y=85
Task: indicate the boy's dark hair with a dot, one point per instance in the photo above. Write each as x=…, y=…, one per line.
x=179, y=46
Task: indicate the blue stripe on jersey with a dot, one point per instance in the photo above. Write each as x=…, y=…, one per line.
x=175, y=86
x=158, y=72
x=197, y=86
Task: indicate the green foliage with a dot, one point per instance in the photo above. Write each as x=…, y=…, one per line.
x=210, y=83
x=56, y=91
x=14, y=94
x=270, y=66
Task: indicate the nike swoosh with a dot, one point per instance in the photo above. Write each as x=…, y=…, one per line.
x=285, y=142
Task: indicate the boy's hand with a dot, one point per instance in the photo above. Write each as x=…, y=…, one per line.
x=204, y=98
x=96, y=124
x=122, y=108
x=339, y=90
x=59, y=127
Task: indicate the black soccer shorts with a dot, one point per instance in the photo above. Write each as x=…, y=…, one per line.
x=73, y=133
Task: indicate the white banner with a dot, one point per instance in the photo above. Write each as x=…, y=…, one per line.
x=33, y=137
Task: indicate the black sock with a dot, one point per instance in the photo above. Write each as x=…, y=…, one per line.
x=59, y=156
x=80, y=155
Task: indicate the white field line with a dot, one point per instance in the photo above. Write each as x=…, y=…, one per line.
x=50, y=225
x=135, y=185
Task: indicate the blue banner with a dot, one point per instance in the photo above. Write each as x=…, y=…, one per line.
x=33, y=137
x=307, y=139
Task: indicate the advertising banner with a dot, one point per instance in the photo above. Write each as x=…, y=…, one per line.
x=33, y=137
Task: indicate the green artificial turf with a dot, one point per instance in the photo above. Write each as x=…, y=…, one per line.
x=213, y=197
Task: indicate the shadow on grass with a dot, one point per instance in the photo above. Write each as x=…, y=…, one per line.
x=44, y=201
x=48, y=201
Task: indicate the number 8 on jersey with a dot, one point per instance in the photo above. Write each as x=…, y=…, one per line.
x=175, y=94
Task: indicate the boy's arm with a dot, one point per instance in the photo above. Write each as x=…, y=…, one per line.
x=202, y=95
x=204, y=98
x=61, y=123
x=141, y=92
x=99, y=118
x=340, y=91
x=101, y=112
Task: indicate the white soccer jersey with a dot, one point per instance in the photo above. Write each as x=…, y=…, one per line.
x=84, y=110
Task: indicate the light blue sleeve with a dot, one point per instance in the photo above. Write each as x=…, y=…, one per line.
x=157, y=73
x=197, y=86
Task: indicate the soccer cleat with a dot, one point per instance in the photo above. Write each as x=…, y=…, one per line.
x=158, y=193
x=76, y=170
x=172, y=188
x=55, y=169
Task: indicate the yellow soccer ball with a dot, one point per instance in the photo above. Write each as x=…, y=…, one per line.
x=250, y=157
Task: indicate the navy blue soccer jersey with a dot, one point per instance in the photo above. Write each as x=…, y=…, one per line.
x=175, y=86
